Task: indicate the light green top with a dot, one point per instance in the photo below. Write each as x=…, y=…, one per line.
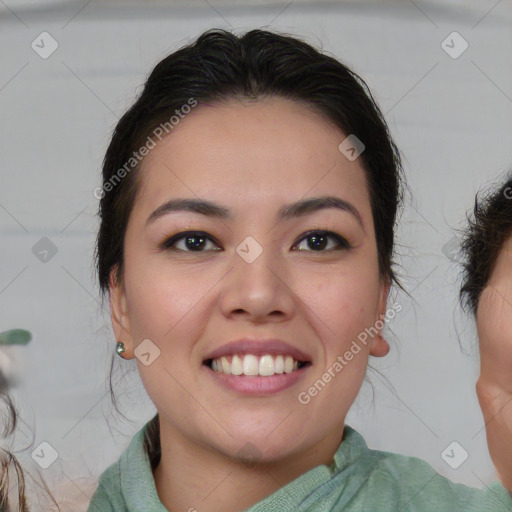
x=358, y=479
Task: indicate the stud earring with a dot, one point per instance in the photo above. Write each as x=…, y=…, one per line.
x=120, y=349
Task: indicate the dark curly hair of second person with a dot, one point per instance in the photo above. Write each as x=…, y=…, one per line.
x=489, y=228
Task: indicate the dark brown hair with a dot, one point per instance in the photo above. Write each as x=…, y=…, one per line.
x=220, y=66
x=489, y=227
x=10, y=466
x=7, y=459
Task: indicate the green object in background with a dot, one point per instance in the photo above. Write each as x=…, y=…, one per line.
x=15, y=337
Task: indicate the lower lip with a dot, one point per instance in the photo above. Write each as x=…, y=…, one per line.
x=257, y=385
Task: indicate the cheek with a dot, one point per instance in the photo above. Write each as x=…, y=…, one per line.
x=159, y=297
x=165, y=307
x=149, y=305
x=347, y=304
x=494, y=318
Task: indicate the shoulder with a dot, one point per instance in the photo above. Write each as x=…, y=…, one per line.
x=414, y=484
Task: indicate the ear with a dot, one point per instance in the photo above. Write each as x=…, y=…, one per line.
x=119, y=313
x=379, y=347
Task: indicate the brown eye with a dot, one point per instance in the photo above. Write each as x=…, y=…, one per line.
x=193, y=241
x=318, y=240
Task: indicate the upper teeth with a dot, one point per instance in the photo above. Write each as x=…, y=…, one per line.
x=249, y=364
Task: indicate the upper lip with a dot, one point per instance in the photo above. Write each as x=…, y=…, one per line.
x=259, y=348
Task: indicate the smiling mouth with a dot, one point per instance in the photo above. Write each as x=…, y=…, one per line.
x=267, y=365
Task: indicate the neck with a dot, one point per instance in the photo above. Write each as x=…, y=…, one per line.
x=192, y=477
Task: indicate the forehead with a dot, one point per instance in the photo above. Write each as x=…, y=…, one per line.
x=263, y=152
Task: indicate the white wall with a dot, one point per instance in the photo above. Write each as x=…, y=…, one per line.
x=452, y=119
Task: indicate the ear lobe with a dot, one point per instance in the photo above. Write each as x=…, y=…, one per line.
x=119, y=311
x=379, y=347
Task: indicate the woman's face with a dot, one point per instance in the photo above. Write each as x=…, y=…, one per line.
x=494, y=316
x=255, y=274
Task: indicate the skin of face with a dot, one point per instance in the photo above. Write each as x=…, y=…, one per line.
x=252, y=157
x=494, y=385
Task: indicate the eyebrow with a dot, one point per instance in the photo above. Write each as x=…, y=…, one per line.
x=286, y=212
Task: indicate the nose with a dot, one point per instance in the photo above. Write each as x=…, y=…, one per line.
x=258, y=289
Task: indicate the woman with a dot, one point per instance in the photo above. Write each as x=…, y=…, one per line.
x=247, y=216
x=487, y=292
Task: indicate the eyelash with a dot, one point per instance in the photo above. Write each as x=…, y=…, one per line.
x=342, y=242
